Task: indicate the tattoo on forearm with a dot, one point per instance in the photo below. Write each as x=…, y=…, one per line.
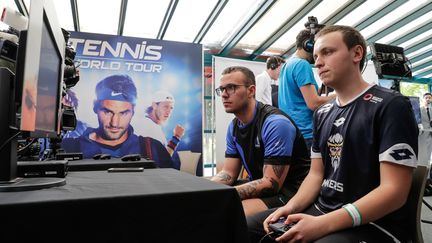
x=278, y=170
x=224, y=177
x=250, y=189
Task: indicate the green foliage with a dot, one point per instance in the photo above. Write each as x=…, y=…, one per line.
x=413, y=89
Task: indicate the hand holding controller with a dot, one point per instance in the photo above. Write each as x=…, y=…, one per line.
x=278, y=228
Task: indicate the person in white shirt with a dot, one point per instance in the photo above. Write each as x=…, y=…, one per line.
x=156, y=115
x=264, y=80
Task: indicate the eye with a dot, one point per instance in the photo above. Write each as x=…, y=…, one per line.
x=327, y=52
x=230, y=87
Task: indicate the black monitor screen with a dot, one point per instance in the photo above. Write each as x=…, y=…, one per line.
x=389, y=60
x=39, y=72
x=48, y=83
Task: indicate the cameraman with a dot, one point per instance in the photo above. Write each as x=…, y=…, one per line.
x=298, y=90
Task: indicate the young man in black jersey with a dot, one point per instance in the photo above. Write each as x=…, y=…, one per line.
x=363, y=154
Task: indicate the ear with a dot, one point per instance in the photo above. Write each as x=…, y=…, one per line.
x=252, y=91
x=357, y=53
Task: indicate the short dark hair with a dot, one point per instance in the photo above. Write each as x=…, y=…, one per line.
x=250, y=77
x=117, y=87
x=427, y=94
x=351, y=37
x=302, y=37
x=274, y=61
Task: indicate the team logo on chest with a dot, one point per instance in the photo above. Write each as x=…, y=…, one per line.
x=334, y=144
x=372, y=98
x=339, y=122
x=325, y=108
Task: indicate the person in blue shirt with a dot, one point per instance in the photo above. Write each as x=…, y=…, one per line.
x=115, y=106
x=298, y=90
x=262, y=139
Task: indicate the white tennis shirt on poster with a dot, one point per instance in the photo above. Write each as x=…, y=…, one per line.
x=149, y=128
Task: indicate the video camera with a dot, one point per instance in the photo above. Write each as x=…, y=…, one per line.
x=308, y=45
x=314, y=27
x=70, y=79
x=71, y=73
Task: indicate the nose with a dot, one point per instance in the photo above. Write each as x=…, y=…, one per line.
x=318, y=62
x=224, y=93
x=115, y=120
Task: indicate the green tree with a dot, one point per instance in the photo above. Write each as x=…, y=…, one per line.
x=413, y=89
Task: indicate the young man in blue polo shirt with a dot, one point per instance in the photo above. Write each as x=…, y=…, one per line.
x=262, y=139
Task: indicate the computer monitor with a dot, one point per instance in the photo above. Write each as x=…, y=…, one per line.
x=389, y=60
x=39, y=72
x=35, y=94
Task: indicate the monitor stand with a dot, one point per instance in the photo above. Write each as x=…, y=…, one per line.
x=8, y=143
x=27, y=184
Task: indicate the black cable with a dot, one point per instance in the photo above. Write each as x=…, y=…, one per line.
x=28, y=145
x=268, y=234
x=365, y=65
x=398, y=63
x=9, y=139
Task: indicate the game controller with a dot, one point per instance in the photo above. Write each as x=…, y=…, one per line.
x=131, y=157
x=101, y=156
x=279, y=228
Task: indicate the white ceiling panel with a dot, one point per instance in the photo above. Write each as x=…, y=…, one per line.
x=253, y=29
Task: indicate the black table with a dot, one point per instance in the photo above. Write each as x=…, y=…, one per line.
x=157, y=205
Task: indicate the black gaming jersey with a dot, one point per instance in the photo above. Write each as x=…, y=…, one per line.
x=376, y=126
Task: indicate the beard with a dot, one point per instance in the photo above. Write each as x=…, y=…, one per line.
x=107, y=135
x=237, y=108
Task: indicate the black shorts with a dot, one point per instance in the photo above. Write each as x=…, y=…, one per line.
x=278, y=200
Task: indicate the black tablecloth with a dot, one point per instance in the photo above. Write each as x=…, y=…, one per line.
x=157, y=205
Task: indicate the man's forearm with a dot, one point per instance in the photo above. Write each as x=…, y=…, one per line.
x=258, y=188
x=306, y=194
x=224, y=178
